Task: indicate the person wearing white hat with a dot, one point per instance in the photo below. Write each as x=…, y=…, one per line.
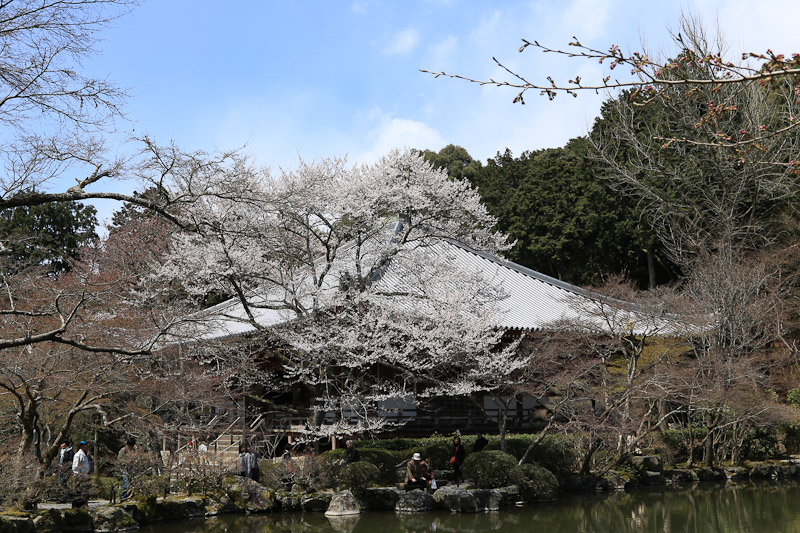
x=417, y=475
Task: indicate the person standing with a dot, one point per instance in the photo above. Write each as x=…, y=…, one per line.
x=253, y=470
x=81, y=466
x=352, y=453
x=126, y=461
x=65, y=456
x=457, y=458
x=480, y=443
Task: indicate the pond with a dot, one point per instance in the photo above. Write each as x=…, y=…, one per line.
x=703, y=508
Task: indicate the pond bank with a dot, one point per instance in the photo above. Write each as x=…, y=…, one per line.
x=246, y=497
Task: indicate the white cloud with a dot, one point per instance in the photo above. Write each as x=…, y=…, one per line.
x=485, y=34
x=442, y=53
x=585, y=18
x=403, y=42
x=400, y=133
x=757, y=26
x=359, y=6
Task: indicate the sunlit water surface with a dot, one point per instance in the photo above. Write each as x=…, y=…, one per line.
x=773, y=508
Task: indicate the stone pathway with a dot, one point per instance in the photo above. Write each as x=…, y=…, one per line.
x=93, y=504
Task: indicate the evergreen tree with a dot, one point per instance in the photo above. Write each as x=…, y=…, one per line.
x=47, y=235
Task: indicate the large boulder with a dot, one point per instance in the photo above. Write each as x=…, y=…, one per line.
x=76, y=520
x=612, y=481
x=651, y=463
x=705, y=473
x=509, y=495
x=764, y=472
x=179, y=508
x=343, y=504
x=244, y=494
x=456, y=500
x=681, y=475
x=789, y=470
x=18, y=523
x=317, y=502
x=46, y=521
x=415, y=501
x=382, y=498
x=736, y=473
x=112, y=519
x=290, y=501
x=488, y=499
x=652, y=478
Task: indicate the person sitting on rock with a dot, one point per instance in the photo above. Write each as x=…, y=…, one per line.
x=428, y=464
x=417, y=475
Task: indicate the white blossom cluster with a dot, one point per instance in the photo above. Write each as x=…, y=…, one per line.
x=349, y=266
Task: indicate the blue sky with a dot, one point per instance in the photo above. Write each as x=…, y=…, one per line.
x=325, y=78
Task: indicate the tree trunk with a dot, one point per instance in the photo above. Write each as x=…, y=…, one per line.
x=710, y=449
x=586, y=465
x=538, y=439
x=651, y=266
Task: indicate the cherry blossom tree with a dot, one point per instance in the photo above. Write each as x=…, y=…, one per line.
x=348, y=269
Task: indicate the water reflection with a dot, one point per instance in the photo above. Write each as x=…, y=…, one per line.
x=344, y=524
x=703, y=508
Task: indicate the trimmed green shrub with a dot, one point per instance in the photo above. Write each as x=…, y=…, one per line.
x=330, y=465
x=556, y=452
x=490, y=469
x=535, y=482
x=385, y=461
x=357, y=476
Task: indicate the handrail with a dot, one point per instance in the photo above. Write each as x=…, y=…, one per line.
x=256, y=422
x=225, y=431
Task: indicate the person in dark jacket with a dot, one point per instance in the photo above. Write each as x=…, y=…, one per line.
x=352, y=453
x=457, y=458
x=480, y=443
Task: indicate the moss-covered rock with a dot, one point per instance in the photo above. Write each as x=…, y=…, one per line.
x=317, y=502
x=16, y=524
x=290, y=501
x=456, y=500
x=382, y=498
x=76, y=520
x=488, y=499
x=48, y=521
x=178, y=508
x=112, y=519
x=415, y=501
x=142, y=510
x=343, y=503
x=247, y=495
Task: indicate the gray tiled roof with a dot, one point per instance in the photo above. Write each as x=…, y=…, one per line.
x=534, y=301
